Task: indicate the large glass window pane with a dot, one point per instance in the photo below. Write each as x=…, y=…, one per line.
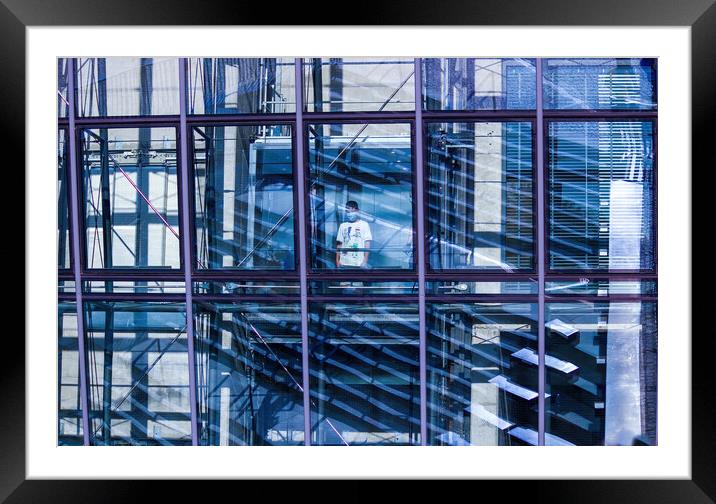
x=63, y=218
x=359, y=84
x=243, y=197
x=69, y=406
x=138, y=373
x=482, y=374
x=601, y=192
x=361, y=199
x=121, y=86
x=485, y=287
x=129, y=179
x=600, y=287
x=480, y=213
x=62, y=98
x=611, y=399
x=249, y=374
x=241, y=86
x=478, y=83
x=364, y=374
x=600, y=83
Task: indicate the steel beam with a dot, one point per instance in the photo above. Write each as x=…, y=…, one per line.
x=185, y=233
x=75, y=231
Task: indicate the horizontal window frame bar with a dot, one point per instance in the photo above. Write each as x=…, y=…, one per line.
x=233, y=119
x=611, y=298
x=127, y=121
x=598, y=114
x=357, y=300
x=132, y=273
x=596, y=273
x=368, y=116
x=156, y=297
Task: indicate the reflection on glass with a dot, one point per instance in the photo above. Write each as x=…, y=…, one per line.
x=611, y=399
x=478, y=83
x=249, y=374
x=361, y=204
x=481, y=287
x=63, y=218
x=62, y=98
x=601, y=190
x=243, y=180
x=361, y=288
x=66, y=286
x=600, y=83
x=249, y=287
x=138, y=373
x=480, y=196
x=358, y=84
x=69, y=407
x=130, y=197
x=121, y=86
x=482, y=374
x=364, y=374
x=137, y=287
x=241, y=86
x=600, y=287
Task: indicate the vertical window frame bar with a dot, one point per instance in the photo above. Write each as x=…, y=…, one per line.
x=541, y=178
x=75, y=229
x=186, y=248
x=301, y=210
x=420, y=239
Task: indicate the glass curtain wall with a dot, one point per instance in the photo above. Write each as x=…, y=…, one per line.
x=194, y=176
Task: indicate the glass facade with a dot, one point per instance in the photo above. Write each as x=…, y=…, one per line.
x=138, y=373
x=364, y=170
x=243, y=197
x=601, y=191
x=479, y=84
x=482, y=373
x=129, y=183
x=480, y=213
x=249, y=373
x=216, y=197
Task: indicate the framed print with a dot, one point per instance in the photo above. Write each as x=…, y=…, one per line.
x=427, y=244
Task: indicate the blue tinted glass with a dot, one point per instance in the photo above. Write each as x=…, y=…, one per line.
x=69, y=407
x=482, y=374
x=480, y=212
x=127, y=86
x=597, y=83
x=62, y=99
x=601, y=192
x=478, y=83
x=241, y=86
x=486, y=287
x=358, y=84
x=364, y=374
x=129, y=180
x=138, y=373
x=611, y=399
x=63, y=218
x=600, y=287
x=249, y=374
x=243, y=183
x=361, y=196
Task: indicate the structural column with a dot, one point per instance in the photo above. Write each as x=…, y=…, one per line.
x=420, y=236
x=184, y=137
x=302, y=252
x=539, y=135
x=75, y=231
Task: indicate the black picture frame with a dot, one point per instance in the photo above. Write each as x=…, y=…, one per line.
x=700, y=15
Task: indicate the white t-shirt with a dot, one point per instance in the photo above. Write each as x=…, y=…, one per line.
x=353, y=235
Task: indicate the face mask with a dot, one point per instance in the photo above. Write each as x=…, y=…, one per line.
x=352, y=216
